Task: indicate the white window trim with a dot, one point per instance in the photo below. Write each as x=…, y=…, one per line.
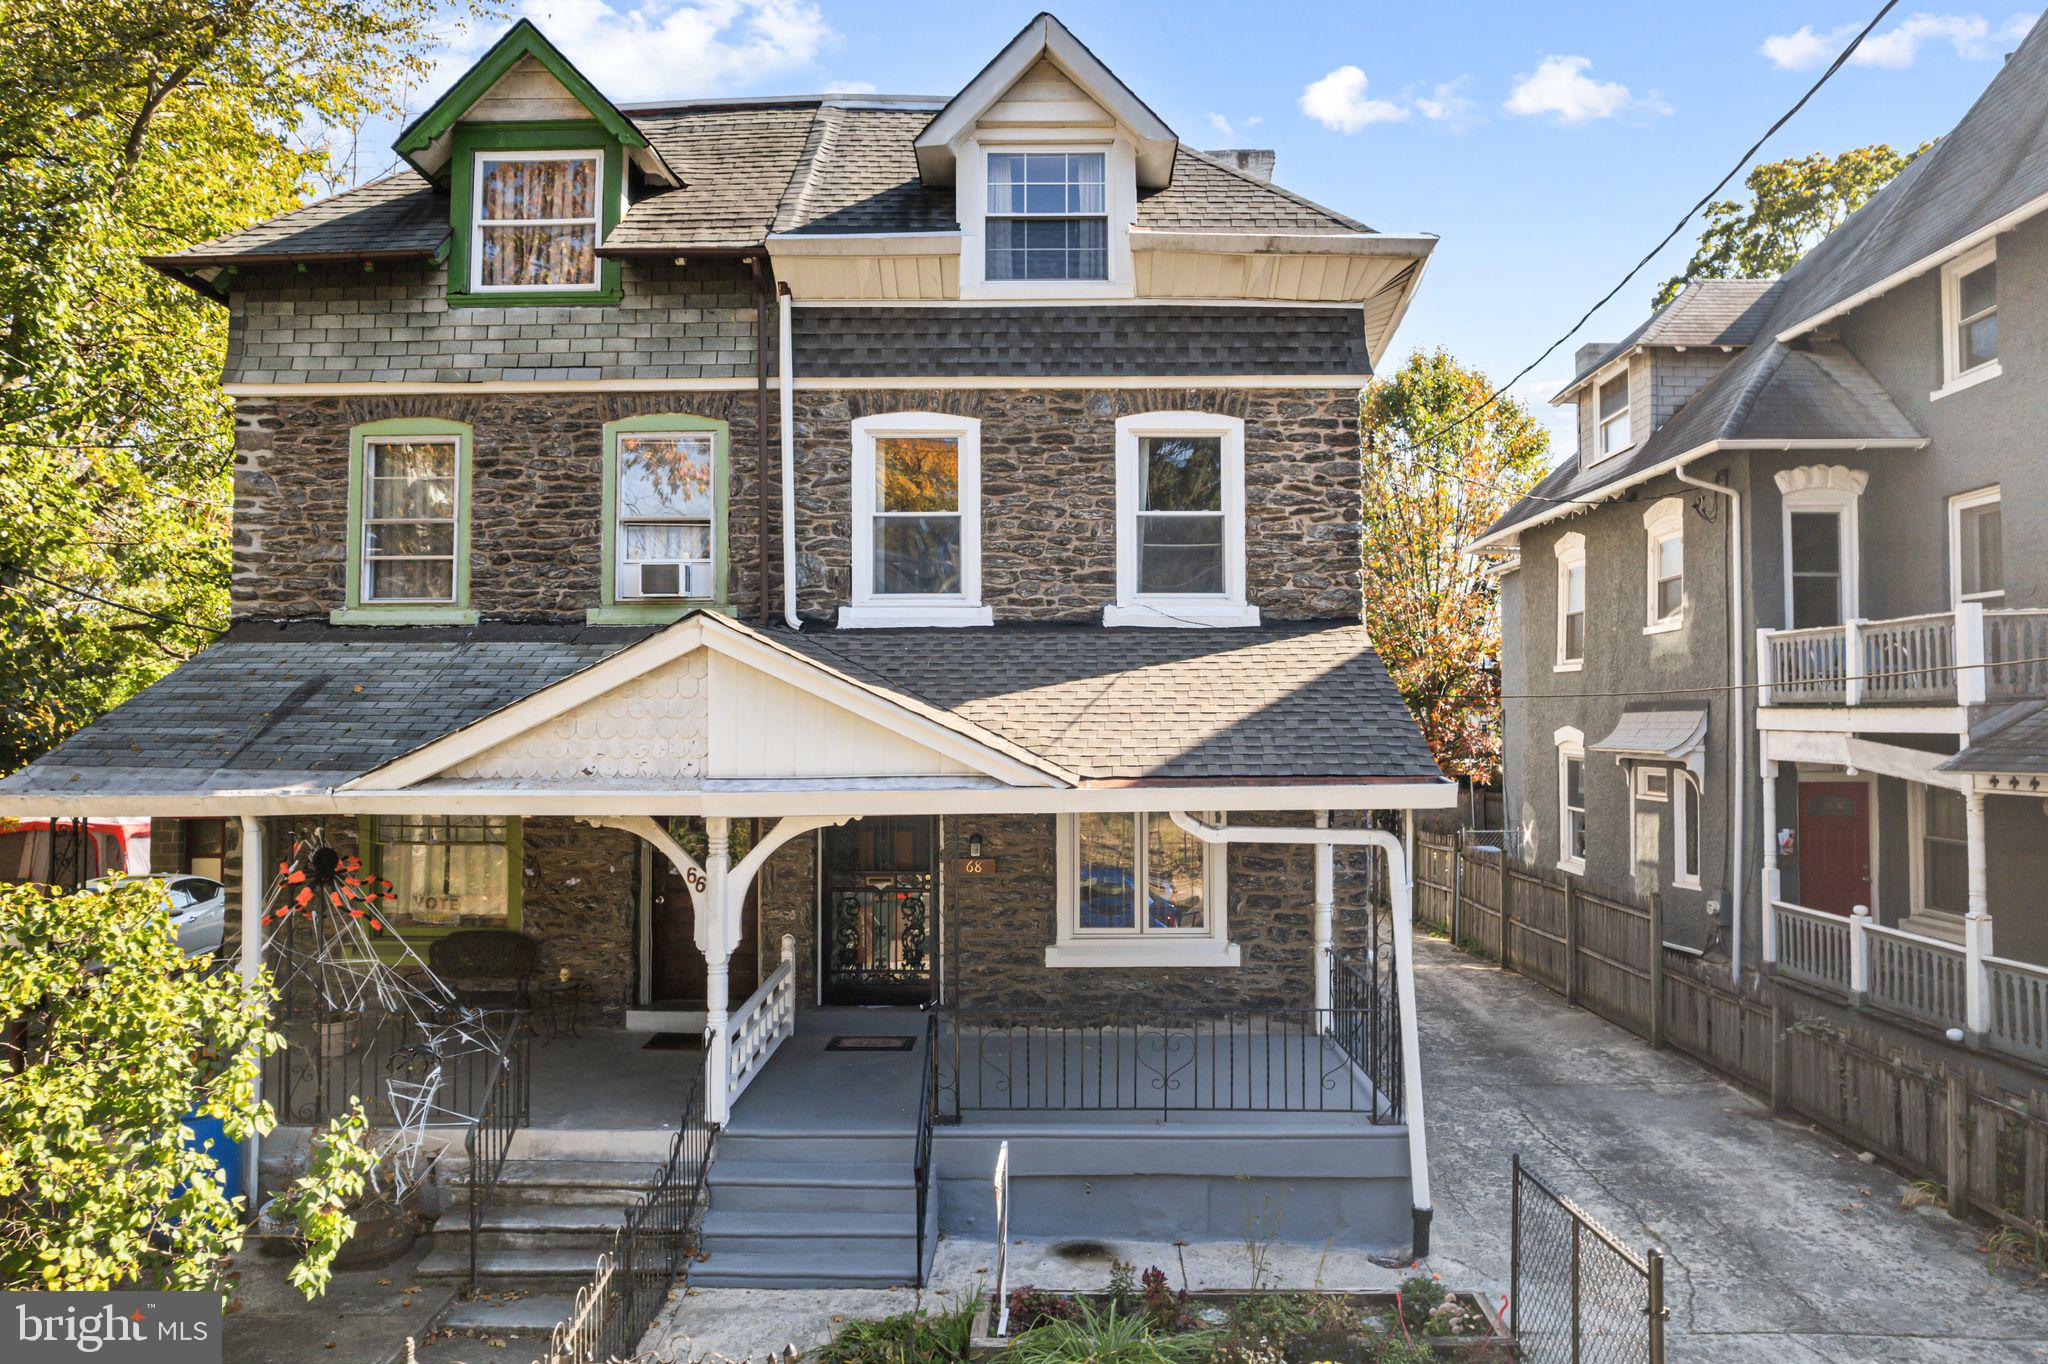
x=1225, y=609
x=1957, y=505
x=1571, y=744
x=1954, y=379
x=1571, y=553
x=1916, y=857
x=1120, y=193
x=1687, y=794
x=1073, y=946
x=872, y=610
x=1618, y=369
x=1817, y=488
x=1646, y=785
x=1664, y=521
x=476, y=222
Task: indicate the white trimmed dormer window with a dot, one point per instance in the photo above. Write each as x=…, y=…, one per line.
x=916, y=521
x=1138, y=890
x=537, y=221
x=1180, y=556
x=1048, y=216
x=1664, y=526
x=1571, y=799
x=1969, y=319
x=1571, y=602
x=1610, y=417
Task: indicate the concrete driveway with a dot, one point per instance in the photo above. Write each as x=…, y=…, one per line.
x=1780, y=1244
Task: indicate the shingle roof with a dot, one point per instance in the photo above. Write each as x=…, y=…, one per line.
x=303, y=710
x=860, y=175
x=880, y=342
x=1707, y=312
x=2016, y=743
x=400, y=214
x=736, y=164
x=1205, y=194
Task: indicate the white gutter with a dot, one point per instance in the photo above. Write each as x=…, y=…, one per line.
x=787, y=363
x=1738, y=744
x=252, y=862
x=1283, y=243
x=1401, y=890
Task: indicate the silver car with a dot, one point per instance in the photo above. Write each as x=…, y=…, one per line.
x=198, y=906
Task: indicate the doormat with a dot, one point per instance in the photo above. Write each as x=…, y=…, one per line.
x=871, y=1043
x=673, y=1041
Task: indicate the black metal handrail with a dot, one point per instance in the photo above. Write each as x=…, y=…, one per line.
x=331, y=1056
x=1366, y=1020
x=1244, y=1061
x=927, y=1114
x=489, y=1139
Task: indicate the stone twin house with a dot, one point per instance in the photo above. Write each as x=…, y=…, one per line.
x=952, y=505
x=1780, y=630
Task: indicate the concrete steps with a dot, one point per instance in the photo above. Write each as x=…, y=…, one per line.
x=811, y=1210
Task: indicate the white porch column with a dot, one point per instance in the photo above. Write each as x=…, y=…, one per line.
x=1859, y=952
x=251, y=965
x=1977, y=923
x=1771, y=875
x=1325, y=914
x=717, y=969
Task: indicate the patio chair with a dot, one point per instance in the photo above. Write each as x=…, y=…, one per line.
x=487, y=968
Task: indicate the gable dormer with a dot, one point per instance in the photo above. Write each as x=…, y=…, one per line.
x=538, y=165
x=1047, y=151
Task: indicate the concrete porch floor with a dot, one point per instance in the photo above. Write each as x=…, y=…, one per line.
x=608, y=1079
x=805, y=1088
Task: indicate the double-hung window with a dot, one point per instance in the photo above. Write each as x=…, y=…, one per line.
x=1571, y=800
x=1180, y=521
x=666, y=534
x=1664, y=525
x=916, y=521
x=447, y=872
x=1611, y=436
x=1820, y=532
x=1137, y=889
x=1048, y=216
x=1976, y=535
x=410, y=519
x=1942, y=880
x=1571, y=602
x=1969, y=306
x=536, y=216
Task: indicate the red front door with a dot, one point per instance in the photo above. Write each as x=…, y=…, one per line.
x=1834, y=845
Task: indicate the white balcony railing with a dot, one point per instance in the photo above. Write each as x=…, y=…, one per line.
x=1953, y=658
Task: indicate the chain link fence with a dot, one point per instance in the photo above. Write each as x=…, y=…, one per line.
x=1577, y=1293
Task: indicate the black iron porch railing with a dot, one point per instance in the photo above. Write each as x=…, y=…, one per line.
x=927, y=1114
x=1234, y=1061
x=332, y=1056
x=489, y=1140
x=1366, y=1019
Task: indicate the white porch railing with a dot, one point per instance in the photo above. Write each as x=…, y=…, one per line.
x=761, y=1025
x=1923, y=978
x=1951, y=658
x=2019, y=1007
x=1810, y=944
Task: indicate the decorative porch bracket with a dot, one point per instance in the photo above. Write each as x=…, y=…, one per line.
x=1401, y=890
x=718, y=898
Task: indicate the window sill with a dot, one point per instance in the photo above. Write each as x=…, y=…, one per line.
x=539, y=298
x=1573, y=666
x=909, y=615
x=647, y=612
x=1968, y=380
x=403, y=615
x=1679, y=883
x=1666, y=627
x=1167, y=615
x=1046, y=290
x=1128, y=952
x=1575, y=866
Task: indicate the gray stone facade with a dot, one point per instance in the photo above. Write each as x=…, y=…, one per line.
x=394, y=325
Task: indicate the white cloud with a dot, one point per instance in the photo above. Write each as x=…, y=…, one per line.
x=1338, y=101
x=849, y=87
x=660, y=49
x=1229, y=131
x=1972, y=36
x=1448, y=103
x=1559, y=88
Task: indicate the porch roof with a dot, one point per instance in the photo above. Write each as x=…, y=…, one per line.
x=294, y=714
x=2014, y=744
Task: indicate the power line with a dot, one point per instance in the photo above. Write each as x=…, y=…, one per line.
x=117, y=605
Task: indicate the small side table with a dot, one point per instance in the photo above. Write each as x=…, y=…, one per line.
x=563, y=1002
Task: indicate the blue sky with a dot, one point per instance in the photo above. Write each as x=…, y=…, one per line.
x=1549, y=145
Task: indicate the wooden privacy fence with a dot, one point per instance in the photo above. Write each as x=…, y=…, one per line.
x=1937, y=1116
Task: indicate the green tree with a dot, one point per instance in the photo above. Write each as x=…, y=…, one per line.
x=132, y=128
x=1435, y=477
x=1793, y=204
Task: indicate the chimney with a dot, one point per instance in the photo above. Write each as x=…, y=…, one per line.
x=1257, y=162
x=1588, y=353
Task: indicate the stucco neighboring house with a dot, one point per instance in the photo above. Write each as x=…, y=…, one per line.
x=1777, y=631
x=953, y=504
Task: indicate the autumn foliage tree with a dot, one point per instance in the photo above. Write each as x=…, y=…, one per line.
x=1441, y=464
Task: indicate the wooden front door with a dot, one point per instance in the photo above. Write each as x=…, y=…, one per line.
x=878, y=912
x=1834, y=845
x=675, y=966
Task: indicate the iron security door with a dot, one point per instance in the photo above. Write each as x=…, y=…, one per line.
x=879, y=919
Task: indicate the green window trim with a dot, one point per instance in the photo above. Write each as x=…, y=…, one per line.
x=360, y=612
x=370, y=851
x=612, y=611
x=522, y=40
x=471, y=138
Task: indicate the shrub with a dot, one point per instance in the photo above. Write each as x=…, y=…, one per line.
x=1031, y=1307
x=916, y=1337
x=1108, y=1337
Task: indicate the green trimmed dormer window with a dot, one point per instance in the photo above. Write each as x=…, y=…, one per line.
x=408, y=523
x=666, y=485
x=534, y=202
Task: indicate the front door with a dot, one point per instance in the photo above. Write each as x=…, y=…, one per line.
x=878, y=911
x=1834, y=845
x=675, y=966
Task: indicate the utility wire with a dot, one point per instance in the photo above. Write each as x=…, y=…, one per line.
x=1792, y=687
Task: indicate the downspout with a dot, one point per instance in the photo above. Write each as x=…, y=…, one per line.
x=1401, y=891
x=761, y=434
x=788, y=363
x=1738, y=832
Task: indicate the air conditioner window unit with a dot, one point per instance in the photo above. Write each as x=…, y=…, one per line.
x=667, y=578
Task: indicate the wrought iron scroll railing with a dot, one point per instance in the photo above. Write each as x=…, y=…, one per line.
x=651, y=1250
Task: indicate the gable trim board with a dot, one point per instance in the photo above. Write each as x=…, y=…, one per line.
x=742, y=383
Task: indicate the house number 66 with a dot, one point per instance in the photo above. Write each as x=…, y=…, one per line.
x=696, y=880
